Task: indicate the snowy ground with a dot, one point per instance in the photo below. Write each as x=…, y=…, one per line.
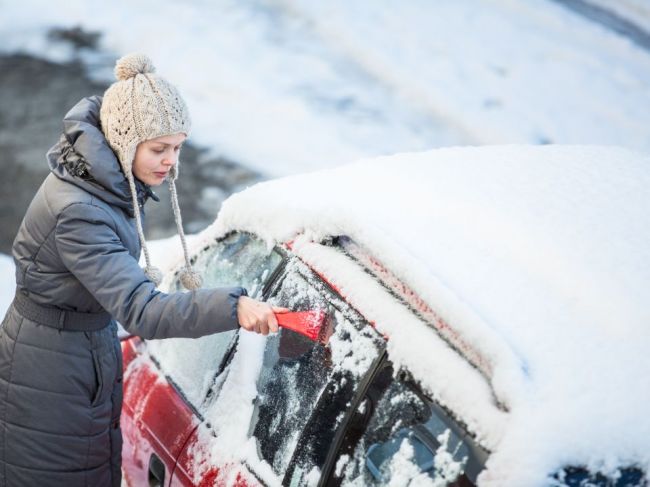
x=7, y=283
x=288, y=86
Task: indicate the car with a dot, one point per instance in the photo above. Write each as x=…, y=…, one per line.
x=482, y=320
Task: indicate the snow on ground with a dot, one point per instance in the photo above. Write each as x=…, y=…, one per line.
x=7, y=283
x=504, y=71
x=544, y=250
x=287, y=86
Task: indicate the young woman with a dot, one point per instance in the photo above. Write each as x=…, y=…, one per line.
x=77, y=272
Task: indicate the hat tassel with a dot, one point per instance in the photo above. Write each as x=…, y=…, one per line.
x=153, y=273
x=190, y=279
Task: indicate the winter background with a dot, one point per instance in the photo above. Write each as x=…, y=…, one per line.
x=282, y=87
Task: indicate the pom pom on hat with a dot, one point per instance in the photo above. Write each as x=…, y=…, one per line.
x=190, y=279
x=132, y=64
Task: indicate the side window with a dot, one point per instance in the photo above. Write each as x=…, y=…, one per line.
x=305, y=387
x=192, y=364
x=399, y=435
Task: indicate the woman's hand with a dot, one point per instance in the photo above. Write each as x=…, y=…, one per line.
x=257, y=316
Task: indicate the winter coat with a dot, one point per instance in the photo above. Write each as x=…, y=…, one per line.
x=77, y=250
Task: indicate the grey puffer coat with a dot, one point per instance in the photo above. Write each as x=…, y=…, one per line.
x=77, y=250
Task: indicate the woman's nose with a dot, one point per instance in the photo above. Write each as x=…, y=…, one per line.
x=169, y=161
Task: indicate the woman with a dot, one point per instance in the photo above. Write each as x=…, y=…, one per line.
x=77, y=271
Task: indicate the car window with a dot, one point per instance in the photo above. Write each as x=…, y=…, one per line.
x=580, y=476
x=306, y=385
x=399, y=437
x=192, y=364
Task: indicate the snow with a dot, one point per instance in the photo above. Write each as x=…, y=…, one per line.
x=444, y=462
x=312, y=478
x=538, y=255
x=500, y=71
x=404, y=472
x=289, y=86
x=165, y=253
x=449, y=378
x=230, y=414
x=340, y=464
x=634, y=11
x=354, y=353
x=8, y=284
x=185, y=359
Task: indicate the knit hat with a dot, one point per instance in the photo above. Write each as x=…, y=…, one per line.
x=140, y=106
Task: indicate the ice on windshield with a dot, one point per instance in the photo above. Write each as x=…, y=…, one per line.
x=240, y=259
x=297, y=374
x=192, y=364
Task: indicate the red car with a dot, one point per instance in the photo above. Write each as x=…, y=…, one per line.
x=316, y=401
x=392, y=389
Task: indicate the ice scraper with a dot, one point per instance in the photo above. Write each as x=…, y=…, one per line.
x=308, y=323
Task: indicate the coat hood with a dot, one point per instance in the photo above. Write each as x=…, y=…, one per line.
x=83, y=157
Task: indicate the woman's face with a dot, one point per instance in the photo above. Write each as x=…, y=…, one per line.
x=154, y=158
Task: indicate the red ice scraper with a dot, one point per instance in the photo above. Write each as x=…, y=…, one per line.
x=308, y=323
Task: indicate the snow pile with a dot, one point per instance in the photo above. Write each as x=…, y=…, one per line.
x=540, y=256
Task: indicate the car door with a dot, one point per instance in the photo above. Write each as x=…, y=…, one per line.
x=161, y=414
x=156, y=419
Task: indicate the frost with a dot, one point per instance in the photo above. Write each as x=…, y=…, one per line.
x=340, y=464
x=340, y=417
x=362, y=407
x=191, y=363
x=444, y=463
x=312, y=478
x=296, y=369
x=352, y=350
x=403, y=472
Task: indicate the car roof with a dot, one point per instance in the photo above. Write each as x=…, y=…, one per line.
x=538, y=255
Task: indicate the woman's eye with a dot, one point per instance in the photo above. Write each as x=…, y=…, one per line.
x=158, y=151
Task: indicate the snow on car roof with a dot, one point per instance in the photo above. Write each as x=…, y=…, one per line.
x=539, y=255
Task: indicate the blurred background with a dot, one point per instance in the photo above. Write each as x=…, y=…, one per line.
x=278, y=87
